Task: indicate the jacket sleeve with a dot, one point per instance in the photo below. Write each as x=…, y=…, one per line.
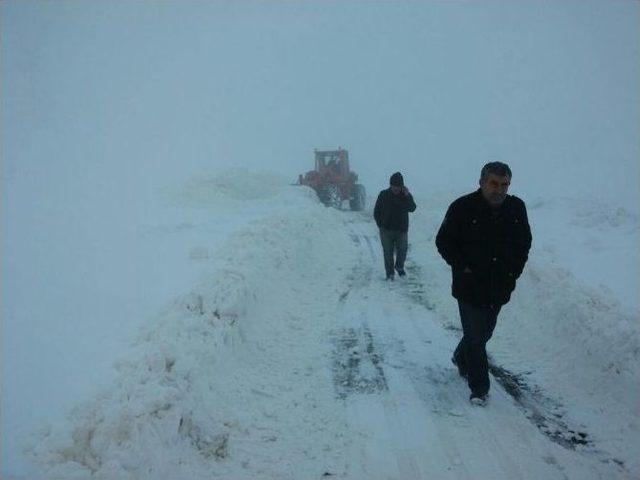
x=377, y=210
x=523, y=242
x=448, y=239
x=410, y=204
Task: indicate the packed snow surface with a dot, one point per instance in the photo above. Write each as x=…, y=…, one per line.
x=290, y=357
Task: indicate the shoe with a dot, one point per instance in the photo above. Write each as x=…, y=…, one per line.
x=478, y=400
x=462, y=371
x=401, y=272
x=390, y=278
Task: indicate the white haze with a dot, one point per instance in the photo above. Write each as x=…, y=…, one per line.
x=106, y=104
x=435, y=90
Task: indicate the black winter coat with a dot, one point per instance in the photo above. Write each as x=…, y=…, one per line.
x=392, y=211
x=494, y=244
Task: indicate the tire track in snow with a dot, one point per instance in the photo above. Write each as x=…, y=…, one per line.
x=404, y=455
x=451, y=417
x=539, y=408
x=357, y=366
x=360, y=379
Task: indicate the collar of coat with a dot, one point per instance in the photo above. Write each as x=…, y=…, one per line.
x=483, y=206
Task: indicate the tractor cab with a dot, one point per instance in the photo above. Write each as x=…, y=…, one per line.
x=333, y=181
x=333, y=163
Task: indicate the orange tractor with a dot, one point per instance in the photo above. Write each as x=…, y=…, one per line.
x=333, y=181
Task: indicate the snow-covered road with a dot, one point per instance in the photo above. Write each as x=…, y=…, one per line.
x=297, y=360
x=410, y=406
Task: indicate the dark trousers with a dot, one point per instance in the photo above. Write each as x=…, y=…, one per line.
x=393, y=241
x=471, y=354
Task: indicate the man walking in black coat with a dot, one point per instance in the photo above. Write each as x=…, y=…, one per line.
x=391, y=214
x=485, y=238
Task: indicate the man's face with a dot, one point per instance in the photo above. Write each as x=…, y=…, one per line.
x=396, y=189
x=494, y=188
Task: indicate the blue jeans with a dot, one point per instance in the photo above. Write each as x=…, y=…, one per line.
x=471, y=354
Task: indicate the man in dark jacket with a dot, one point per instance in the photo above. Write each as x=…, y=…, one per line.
x=391, y=214
x=485, y=238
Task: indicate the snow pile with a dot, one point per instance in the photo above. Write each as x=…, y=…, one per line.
x=594, y=239
x=574, y=319
x=232, y=185
x=185, y=396
x=234, y=379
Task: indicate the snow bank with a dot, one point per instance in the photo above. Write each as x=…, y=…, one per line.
x=234, y=185
x=175, y=410
x=228, y=381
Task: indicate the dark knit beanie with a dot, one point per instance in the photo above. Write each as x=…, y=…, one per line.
x=396, y=180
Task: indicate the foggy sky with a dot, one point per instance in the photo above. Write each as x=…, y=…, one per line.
x=136, y=93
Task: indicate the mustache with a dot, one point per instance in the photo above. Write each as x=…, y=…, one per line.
x=497, y=197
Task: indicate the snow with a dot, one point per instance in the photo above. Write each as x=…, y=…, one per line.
x=95, y=280
x=173, y=308
x=228, y=335
x=293, y=357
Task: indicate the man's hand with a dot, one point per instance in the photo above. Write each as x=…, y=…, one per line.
x=405, y=191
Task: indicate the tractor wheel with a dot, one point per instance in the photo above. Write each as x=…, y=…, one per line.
x=358, y=199
x=330, y=196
